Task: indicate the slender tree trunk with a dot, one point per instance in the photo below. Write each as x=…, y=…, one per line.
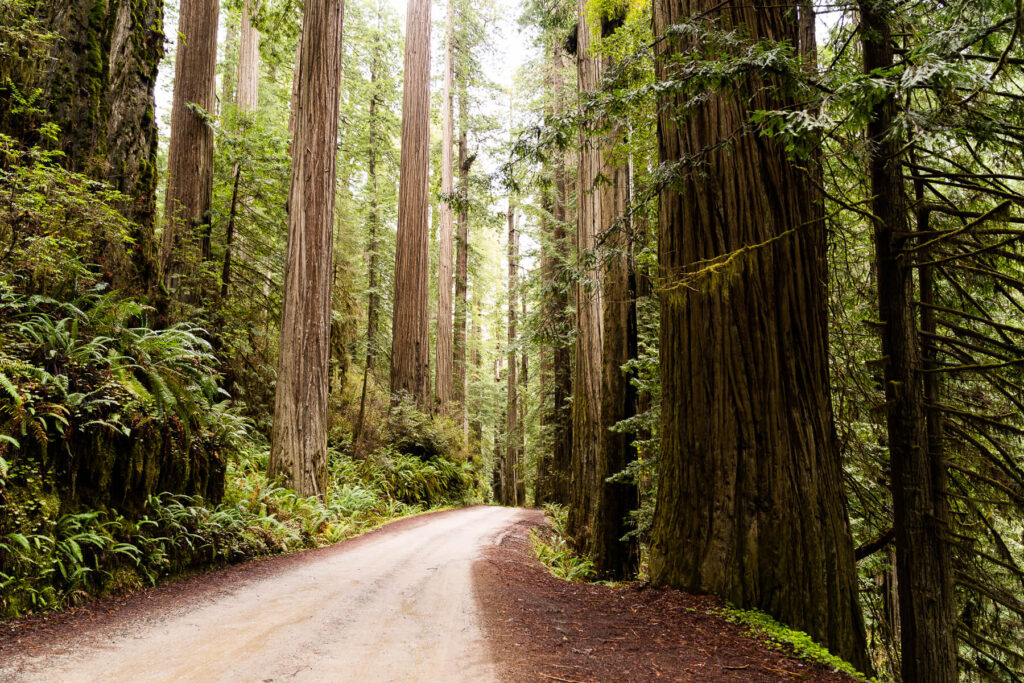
x=476, y=426
x=461, y=381
x=372, y=304
x=512, y=376
x=524, y=385
x=410, y=341
x=298, y=447
x=561, y=416
x=612, y=556
x=920, y=514
x=186, y=237
x=443, y=390
x=586, y=405
x=750, y=502
x=544, y=487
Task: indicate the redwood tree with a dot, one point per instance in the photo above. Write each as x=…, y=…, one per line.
x=186, y=236
x=410, y=340
x=298, y=447
x=443, y=390
x=750, y=502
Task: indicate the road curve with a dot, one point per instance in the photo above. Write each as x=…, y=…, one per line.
x=393, y=606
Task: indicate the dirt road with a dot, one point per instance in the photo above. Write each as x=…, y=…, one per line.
x=396, y=605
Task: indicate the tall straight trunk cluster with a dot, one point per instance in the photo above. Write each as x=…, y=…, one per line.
x=186, y=236
x=443, y=379
x=298, y=447
x=410, y=341
x=918, y=477
x=460, y=383
x=750, y=502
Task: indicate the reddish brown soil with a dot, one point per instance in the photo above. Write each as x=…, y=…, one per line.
x=542, y=628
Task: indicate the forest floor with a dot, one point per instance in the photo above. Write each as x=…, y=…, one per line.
x=542, y=628
x=448, y=596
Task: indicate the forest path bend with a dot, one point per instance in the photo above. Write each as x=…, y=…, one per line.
x=396, y=605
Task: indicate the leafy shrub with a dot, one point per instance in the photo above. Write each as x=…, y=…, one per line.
x=552, y=548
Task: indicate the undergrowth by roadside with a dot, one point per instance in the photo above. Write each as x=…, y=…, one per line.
x=551, y=546
x=77, y=555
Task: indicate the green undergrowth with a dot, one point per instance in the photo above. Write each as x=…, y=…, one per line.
x=782, y=637
x=65, y=560
x=551, y=546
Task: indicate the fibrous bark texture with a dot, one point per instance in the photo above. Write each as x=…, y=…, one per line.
x=248, y=60
x=586, y=405
x=410, y=341
x=920, y=510
x=190, y=151
x=443, y=391
x=513, y=439
x=460, y=388
x=750, y=502
x=298, y=450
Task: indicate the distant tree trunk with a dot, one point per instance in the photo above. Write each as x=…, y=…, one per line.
x=750, y=502
x=561, y=415
x=443, y=390
x=612, y=556
x=544, y=486
x=461, y=381
x=372, y=218
x=295, y=88
x=410, y=341
x=476, y=427
x=186, y=236
x=298, y=447
x=248, y=61
x=524, y=385
x=512, y=376
x=247, y=99
x=586, y=405
x=918, y=479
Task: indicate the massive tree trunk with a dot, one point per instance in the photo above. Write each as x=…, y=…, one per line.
x=298, y=448
x=460, y=389
x=99, y=79
x=586, y=405
x=920, y=512
x=512, y=437
x=410, y=340
x=612, y=556
x=186, y=237
x=443, y=391
x=750, y=502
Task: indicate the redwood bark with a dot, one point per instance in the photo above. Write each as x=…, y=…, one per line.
x=918, y=478
x=298, y=447
x=460, y=392
x=410, y=341
x=750, y=502
x=248, y=95
x=443, y=390
x=190, y=151
x=512, y=434
x=586, y=405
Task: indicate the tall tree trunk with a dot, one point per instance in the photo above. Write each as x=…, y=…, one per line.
x=750, y=502
x=248, y=61
x=190, y=152
x=524, y=385
x=920, y=514
x=612, y=556
x=512, y=439
x=247, y=99
x=298, y=447
x=410, y=340
x=561, y=415
x=372, y=218
x=586, y=404
x=544, y=483
x=443, y=390
x=476, y=426
x=460, y=393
